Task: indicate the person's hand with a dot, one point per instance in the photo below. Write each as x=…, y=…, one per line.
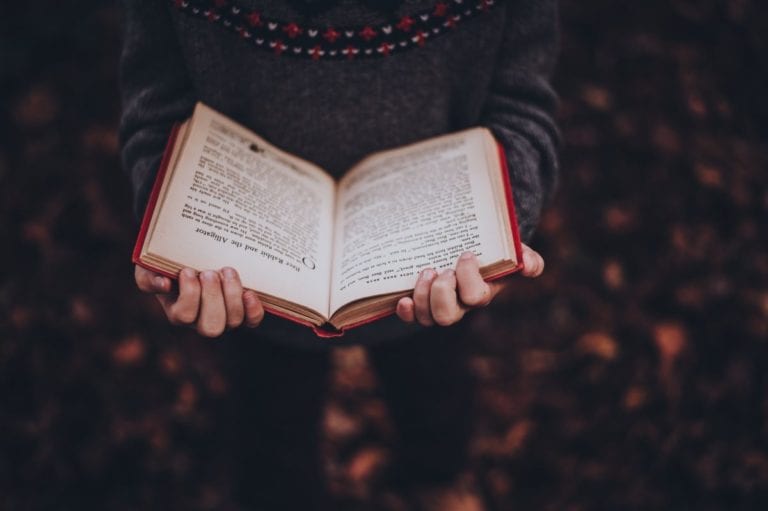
x=444, y=298
x=210, y=301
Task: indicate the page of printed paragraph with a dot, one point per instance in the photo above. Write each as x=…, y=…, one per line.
x=238, y=202
x=401, y=212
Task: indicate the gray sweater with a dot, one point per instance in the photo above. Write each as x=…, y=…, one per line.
x=338, y=85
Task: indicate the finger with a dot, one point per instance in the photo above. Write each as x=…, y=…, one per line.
x=421, y=297
x=254, y=310
x=533, y=263
x=233, y=297
x=443, y=300
x=213, y=314
x=497, y=286
x=184, y=309
x=166, y=301
x=473, y=290
x=151, y=282
x=405, y=310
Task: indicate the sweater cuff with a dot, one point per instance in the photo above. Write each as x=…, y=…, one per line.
x=143, y=176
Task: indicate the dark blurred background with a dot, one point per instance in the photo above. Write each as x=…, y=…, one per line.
x=632, y=375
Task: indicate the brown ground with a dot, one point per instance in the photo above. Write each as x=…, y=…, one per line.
x=631, y=376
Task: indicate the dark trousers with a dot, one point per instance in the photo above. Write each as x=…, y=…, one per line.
x=279, y=396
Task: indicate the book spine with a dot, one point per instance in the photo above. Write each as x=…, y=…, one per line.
x=315, y=328
x=329, y=332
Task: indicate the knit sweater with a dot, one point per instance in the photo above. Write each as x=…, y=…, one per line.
x=337, y=85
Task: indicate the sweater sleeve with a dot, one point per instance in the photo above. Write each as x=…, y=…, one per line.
x=156, y=92
x=521, y=105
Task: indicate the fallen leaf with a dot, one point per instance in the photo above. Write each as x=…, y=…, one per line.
x=129, y=351
x=599, y=344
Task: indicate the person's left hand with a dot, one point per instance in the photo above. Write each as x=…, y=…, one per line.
x=444, y=298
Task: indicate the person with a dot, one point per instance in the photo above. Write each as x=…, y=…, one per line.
x=332, y=81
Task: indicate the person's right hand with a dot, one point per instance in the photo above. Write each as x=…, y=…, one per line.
x=210, y=301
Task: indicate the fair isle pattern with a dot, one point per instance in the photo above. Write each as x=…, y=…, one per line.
x=335, y=43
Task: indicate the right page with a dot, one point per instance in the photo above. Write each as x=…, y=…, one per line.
x=420, y=206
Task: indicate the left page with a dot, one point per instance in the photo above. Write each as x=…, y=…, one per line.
x=235, y=200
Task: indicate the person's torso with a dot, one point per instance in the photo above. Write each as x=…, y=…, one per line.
x=346, y=82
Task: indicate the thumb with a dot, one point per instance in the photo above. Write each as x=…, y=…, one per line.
x=151, y=282
x=533, y=263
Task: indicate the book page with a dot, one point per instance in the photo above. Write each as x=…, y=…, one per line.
x=234, y=200
x=402, y=211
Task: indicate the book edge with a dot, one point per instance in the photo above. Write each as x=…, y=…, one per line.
x=516, y=241
x=153, y=197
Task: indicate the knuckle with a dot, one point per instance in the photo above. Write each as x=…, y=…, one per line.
x=421, y=289
x=183, y=317
x=234, y=322
x=477, y=298
x=233, y=293
x=404, y=316
x=535, y=270
x=255, y=320
x=143, y=284
x=188, y=277
x=442, y=285
x=444, y=319
x=405, y=312
x=255, y=315
x=210, y=281
x=176, y=321
x=423, y=316
x=210, y=331
x=422, y=311
x=534, y=265
x=253, y=311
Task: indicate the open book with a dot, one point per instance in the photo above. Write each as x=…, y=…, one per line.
x=327, y=254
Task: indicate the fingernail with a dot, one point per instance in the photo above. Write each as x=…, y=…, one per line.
x=446, y=271
x=159, y=281
x=189, y=273
x=428, y=274
x=467, y=255
x=208, y=275
x=228, y=273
